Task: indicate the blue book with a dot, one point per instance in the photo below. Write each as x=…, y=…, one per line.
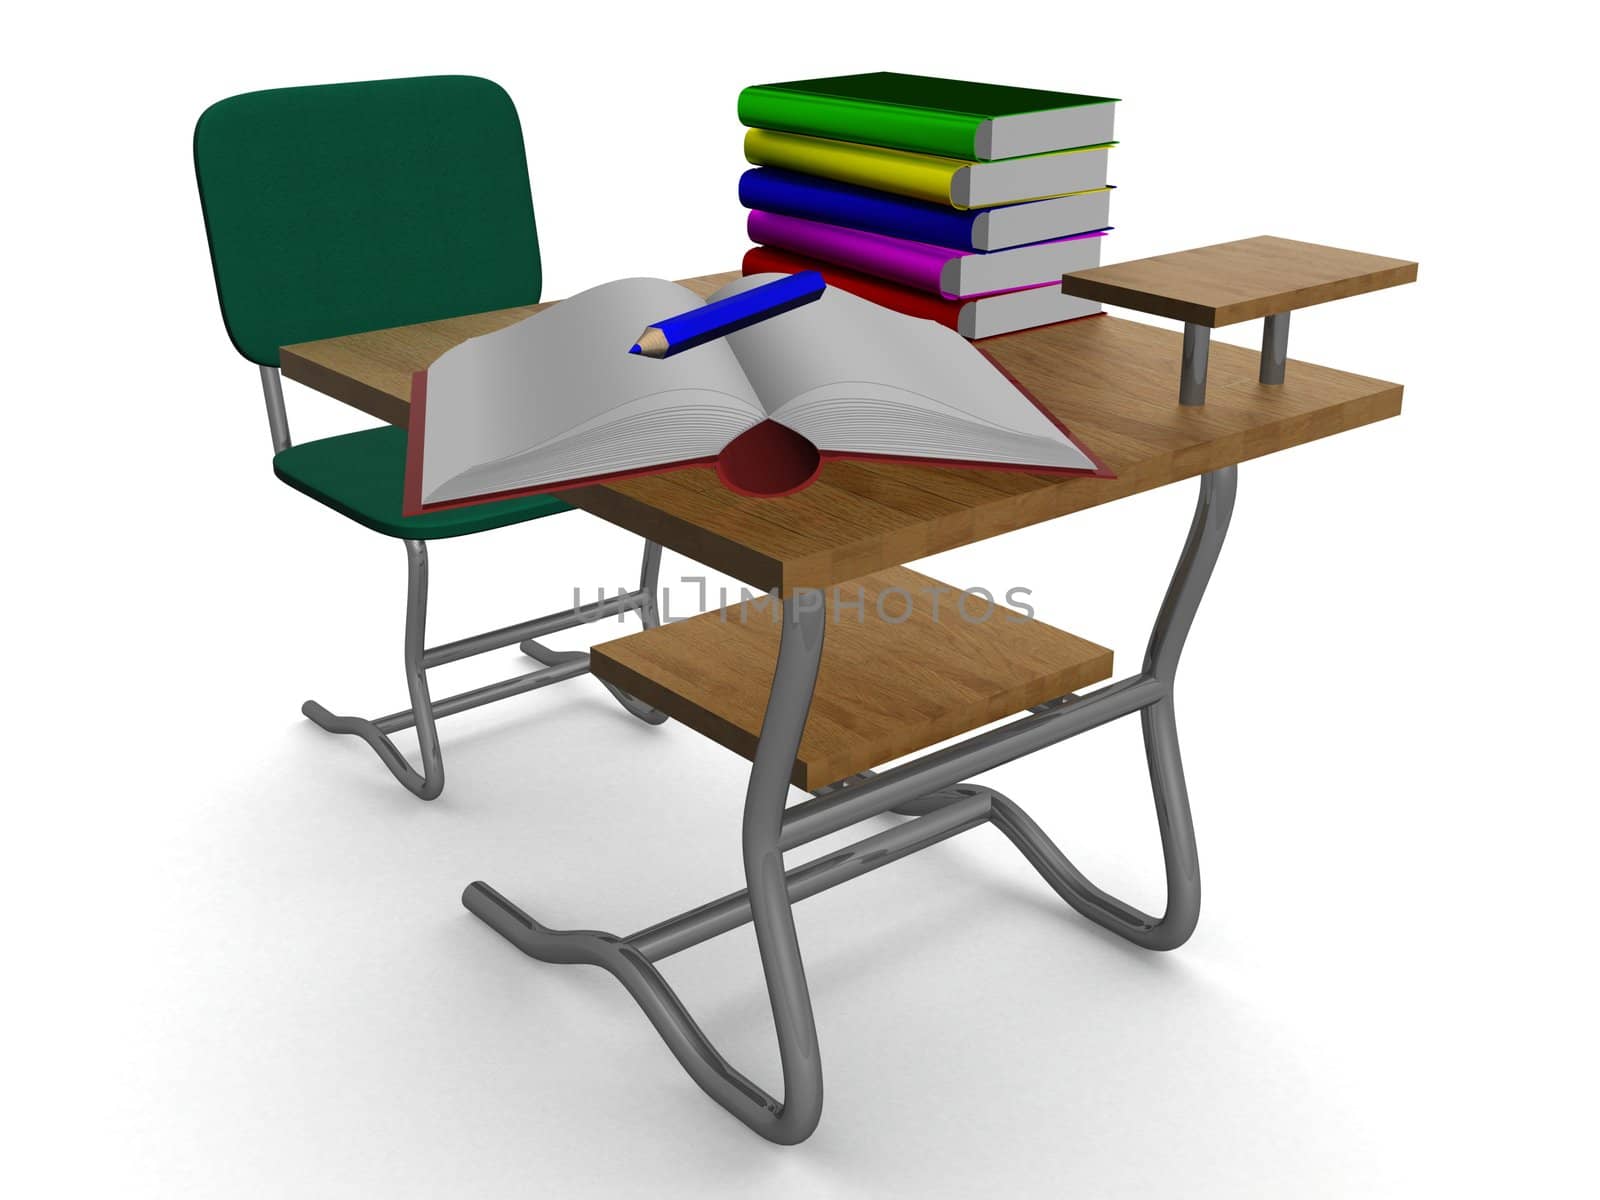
x=817, y=199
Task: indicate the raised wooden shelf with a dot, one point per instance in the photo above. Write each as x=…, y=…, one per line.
x=1238, y=281
x=885, y=688
x=1108, y=380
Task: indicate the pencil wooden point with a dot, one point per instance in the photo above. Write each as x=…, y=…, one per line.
x=652, y=343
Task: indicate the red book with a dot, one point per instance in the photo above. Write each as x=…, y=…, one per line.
x=759, y=260
x=986, y=316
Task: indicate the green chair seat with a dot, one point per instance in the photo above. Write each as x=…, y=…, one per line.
x=362, y=476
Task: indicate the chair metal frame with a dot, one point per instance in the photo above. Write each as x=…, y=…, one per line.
x=931, y=790
x=556, y=665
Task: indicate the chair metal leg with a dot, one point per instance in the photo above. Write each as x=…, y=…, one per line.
x=649, y=584
x=430, y=782
x=424, y=711
x=930, y=790
x=644, y=600
x=649, y=616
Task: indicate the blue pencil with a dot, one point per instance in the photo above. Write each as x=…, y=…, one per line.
x=722, y=317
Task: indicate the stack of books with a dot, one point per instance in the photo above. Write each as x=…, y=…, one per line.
x=960, y=202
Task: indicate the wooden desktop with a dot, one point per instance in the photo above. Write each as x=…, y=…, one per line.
x=1109, y=380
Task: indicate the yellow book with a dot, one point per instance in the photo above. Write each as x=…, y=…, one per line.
x=955, y=182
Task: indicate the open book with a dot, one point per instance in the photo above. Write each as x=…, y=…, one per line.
x=556, y=400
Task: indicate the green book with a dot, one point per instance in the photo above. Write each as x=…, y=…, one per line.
x=948, y=117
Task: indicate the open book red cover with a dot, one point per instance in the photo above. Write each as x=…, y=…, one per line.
x=766, y=459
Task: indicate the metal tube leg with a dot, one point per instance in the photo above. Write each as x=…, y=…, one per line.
x=644, y=600
x=799, y=656
x=559, y=665
x=649, y=584
x=430, y=782
x=277, y=414
x=946, y=807
x=649, y=616
x=1180, y=857
x=1274, y=347
x=1196, y=358
x=1212, y=513
x=793, y=1118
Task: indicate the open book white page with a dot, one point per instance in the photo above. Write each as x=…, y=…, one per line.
x=852, y=376
x=557, y=397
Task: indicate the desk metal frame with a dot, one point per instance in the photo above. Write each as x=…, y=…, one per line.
x=931, y=791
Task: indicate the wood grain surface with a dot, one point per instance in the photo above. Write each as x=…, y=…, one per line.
x=1238, y=281
x=1113, y=382
x=887, y=686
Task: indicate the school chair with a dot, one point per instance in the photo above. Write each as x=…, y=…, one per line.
x=350, y=207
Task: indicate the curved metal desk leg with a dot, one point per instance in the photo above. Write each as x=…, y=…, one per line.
x=793, y=682
x=945, y=807
x=430, y=782
x=1212, y=514
x=793, y=1118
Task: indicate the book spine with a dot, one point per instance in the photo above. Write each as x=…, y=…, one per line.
x=877, y=123
x=761, y=259
x=920, y=176
x=910, y=263
x=856, y=208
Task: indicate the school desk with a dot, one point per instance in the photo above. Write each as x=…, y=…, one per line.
x=841, y=675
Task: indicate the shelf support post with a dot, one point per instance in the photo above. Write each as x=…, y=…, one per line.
x=1274, y=347
x=1196, y=356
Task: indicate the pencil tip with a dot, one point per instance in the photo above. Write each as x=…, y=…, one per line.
x=634, y=349
x=652, y=343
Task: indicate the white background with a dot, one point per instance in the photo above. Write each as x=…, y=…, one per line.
x=238, y=964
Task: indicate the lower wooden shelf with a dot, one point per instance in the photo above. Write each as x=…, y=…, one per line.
x=887, y=686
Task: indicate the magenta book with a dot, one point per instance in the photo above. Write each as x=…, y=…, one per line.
x=939, y=270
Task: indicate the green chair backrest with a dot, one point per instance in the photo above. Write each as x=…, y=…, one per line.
x=356, y=206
